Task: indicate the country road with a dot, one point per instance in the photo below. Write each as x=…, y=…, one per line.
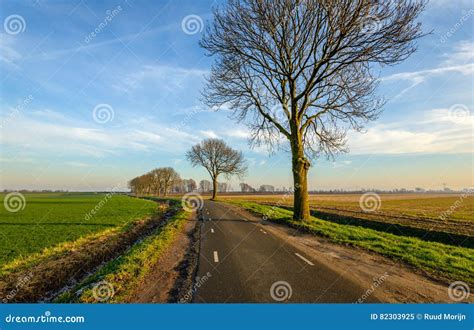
x=242, y=262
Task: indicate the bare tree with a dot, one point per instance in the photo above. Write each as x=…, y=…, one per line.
x=189, y=185
x=158, y=181
x=244, y=187
x=266, y=188
x=217, y=158
x=222, y=186
x=169, y=177
x=205, y=186
x=302, y=70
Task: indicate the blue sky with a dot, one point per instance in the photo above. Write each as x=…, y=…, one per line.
x=143, y=72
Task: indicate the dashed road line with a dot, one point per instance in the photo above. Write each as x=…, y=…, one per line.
x=216, y=257
x=304, y=259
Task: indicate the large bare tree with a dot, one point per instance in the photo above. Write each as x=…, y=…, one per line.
x=301, y=71
x=217, y=158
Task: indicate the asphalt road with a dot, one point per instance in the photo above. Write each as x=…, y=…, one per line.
x=241, y=262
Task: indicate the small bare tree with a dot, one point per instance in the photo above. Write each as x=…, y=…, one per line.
x=217, y=158
x=302, y=70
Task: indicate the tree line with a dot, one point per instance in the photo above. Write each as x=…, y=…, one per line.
x=165, y=180
x=160, y=182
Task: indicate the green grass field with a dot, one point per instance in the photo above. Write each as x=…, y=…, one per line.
x=49, y=219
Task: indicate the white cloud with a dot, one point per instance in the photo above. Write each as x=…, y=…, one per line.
x=341, y=163
x=209, y=134
x=8, y=55
x=238, y=133
x=69, y=137
x=459, y=61
x=463, y=53
x=420, y=76
x=77, y=164
x=168, y=78
x=435, y=132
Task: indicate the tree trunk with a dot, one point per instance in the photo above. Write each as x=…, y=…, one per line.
x=300, y=167
x=214, y=188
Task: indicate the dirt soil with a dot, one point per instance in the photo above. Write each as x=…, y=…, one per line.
x=388, y=280
x=171, y=277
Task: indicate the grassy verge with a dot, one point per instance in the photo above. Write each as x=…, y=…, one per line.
x=123, y=274
x=448, y=262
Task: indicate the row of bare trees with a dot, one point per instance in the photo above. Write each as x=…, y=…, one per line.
x=245, y=187
x=205, y=186
x=161, y=181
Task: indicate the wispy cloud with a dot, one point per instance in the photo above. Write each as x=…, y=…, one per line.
x=435, y=132
x=209, y=134
x=458, y=61
x=165, y=77
x=62, y=137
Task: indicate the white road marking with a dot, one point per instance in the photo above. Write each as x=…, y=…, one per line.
x=216, y=257
x=303, y=258
x=263, y=231
x=212, y=230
